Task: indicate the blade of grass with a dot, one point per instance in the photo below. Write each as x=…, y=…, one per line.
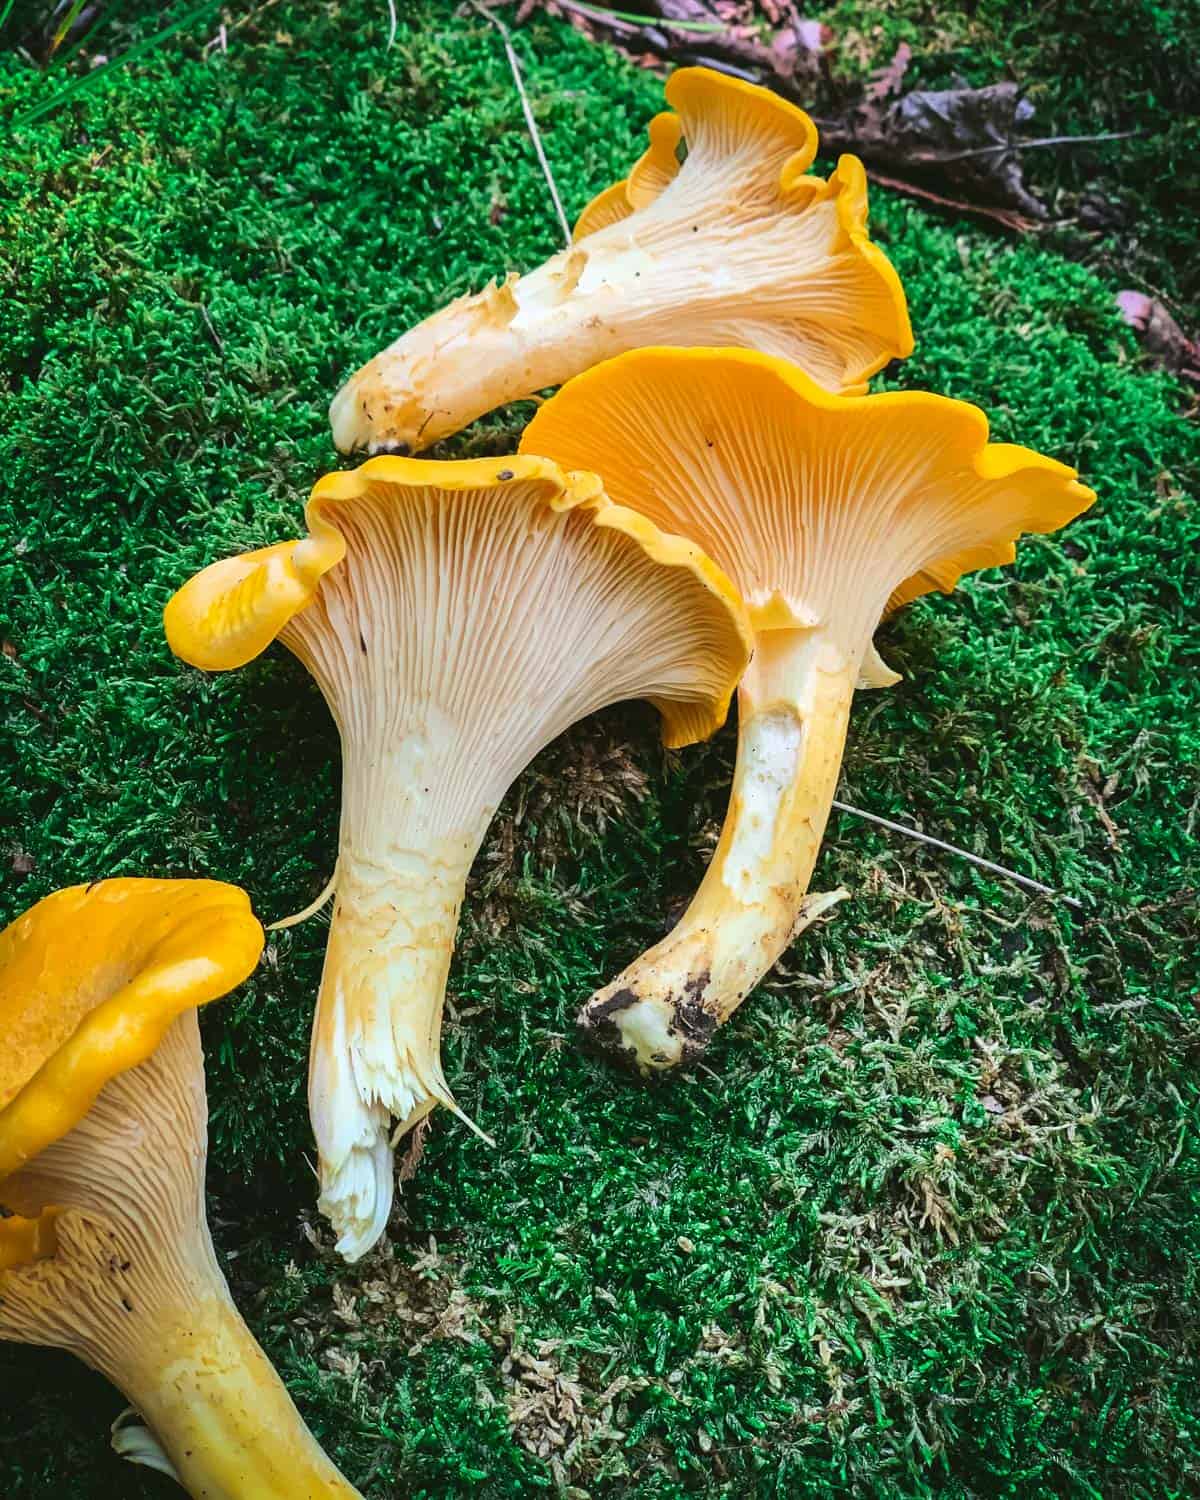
x=604, y=13
x=102, y=75
x=110, y=12
x=68, y=21
x=535, y=134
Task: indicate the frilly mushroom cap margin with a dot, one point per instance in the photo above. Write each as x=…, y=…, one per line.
x=1055, y=494
x=654, y=169
x=167, y=946
x=229, y=613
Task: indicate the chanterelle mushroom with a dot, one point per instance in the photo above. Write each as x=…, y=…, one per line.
x=826, y=511
x=738, y=245
x=103, y=1143
x=456, y=616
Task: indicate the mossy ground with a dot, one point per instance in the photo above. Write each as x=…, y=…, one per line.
x=927, y=1224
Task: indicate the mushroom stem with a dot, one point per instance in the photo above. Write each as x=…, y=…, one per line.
x=221, y=1414
x=376, y=1053
x=793, y=709
x=468, y=613
x=482, y=351
x=128, y=1281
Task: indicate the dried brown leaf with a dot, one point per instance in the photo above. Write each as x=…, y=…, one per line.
x=409, y=1159
x=1164, y=341
x=967, y=137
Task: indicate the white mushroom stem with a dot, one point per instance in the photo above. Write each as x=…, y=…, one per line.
x=134, y=1290
x=478, y=352
x=793, y=708
x=410, y=830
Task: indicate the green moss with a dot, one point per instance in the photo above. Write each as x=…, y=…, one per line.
x=940, y=1180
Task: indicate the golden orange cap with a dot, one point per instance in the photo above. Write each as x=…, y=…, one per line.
x=90, y=980
x=772, y=428
x=654, y=169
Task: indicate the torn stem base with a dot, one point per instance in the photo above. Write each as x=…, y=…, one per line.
x=376, y=1048
x=479, y=352
x=793, y=705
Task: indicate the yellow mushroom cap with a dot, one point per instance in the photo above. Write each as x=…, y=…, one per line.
x=23, y=1241
x=725, y=114
x=233, y=609
x=810, y=501
x=91, y=978
x=654, y=169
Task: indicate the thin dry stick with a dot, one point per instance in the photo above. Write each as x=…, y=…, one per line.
x=643, y=23
x=392, y=24
x=975, y=859
x=1035, y=144
x=855, y=812
x=534, y=135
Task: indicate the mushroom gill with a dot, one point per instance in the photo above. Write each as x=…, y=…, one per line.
x=736, y=245
x=456, y=617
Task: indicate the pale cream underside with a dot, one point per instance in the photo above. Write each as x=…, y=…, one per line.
x=134, y=1289
x=454, y=642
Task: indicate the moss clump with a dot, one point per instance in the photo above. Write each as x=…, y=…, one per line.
x=929, y=1225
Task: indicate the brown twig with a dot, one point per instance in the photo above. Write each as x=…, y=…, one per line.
x=675, y=32
x=1009, y=217
x=940, y=158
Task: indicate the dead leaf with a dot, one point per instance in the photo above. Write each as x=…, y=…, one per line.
x=968, y=137
x=1165, y=342
x=1098, y=789
x=22, y=863
x=414, y=1149
x=724, y=34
